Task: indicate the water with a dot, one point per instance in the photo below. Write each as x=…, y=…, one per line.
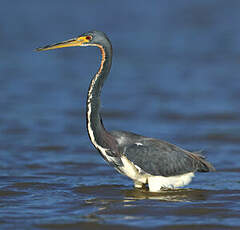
x=175, y=76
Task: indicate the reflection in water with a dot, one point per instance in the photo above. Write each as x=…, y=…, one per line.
x=111, y=194
x=176, y=195
x=118, y=204
x=114, y=195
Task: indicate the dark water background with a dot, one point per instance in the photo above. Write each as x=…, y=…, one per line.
x=175, y=76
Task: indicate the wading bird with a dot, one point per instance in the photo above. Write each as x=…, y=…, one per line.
x=147, y=161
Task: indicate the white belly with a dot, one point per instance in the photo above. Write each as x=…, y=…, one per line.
x=155, y=183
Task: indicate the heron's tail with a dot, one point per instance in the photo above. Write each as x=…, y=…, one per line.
x=203, y=165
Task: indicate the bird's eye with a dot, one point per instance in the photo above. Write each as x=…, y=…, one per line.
x=89, y=37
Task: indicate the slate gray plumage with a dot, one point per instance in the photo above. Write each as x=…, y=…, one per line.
x=158, y=157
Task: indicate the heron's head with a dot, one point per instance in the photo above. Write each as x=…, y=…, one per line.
x=92, y=38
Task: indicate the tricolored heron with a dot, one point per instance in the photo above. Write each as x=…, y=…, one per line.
x=145, y=160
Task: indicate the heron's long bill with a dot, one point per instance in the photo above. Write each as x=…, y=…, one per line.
x=79, y=41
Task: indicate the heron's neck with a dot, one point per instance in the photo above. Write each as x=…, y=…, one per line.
x=95, y=127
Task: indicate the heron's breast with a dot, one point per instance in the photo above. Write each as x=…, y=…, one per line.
x=132, y=171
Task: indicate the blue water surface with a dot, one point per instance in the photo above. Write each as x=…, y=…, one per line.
x=175, y=76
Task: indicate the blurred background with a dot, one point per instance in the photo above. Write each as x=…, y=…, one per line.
x=175, y=76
